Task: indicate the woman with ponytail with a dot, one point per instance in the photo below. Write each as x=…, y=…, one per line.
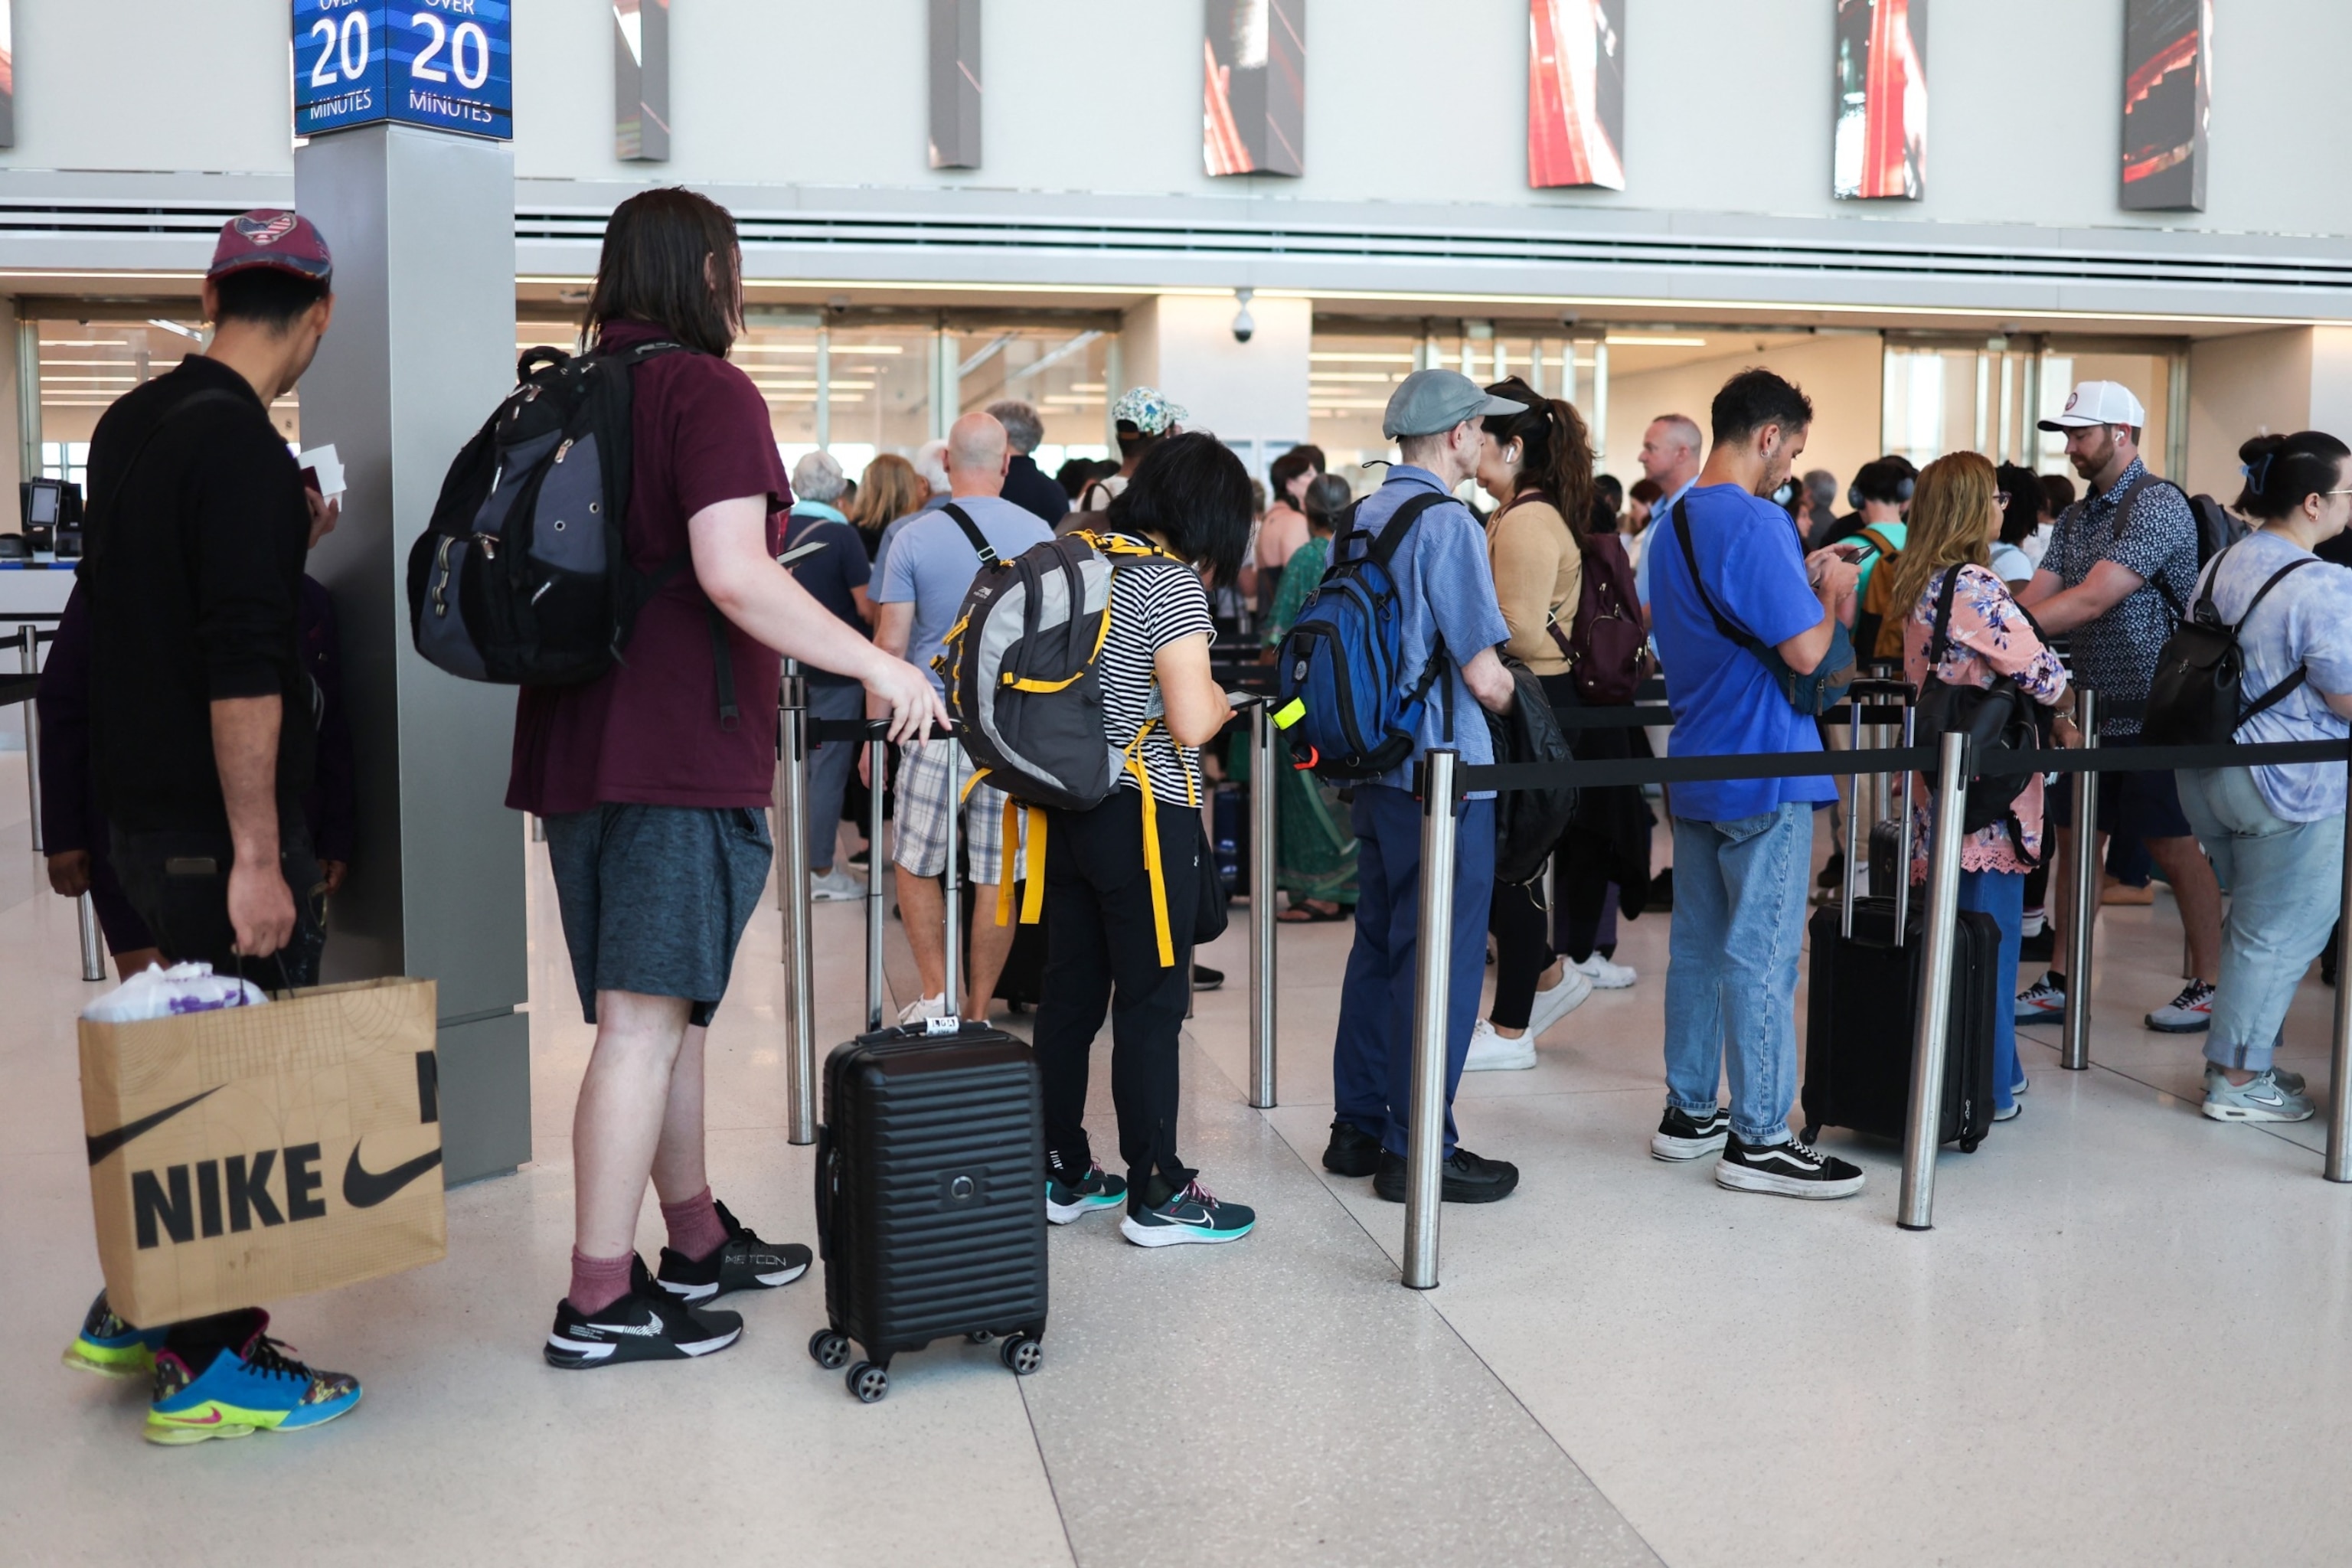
x=2276, y=833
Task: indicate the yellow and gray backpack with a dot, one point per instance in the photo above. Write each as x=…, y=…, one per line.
x=1020, y=667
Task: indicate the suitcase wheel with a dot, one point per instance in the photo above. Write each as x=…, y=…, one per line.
x=1022, y=1354
x=1968, y=1145
x=868, y=1383
x=979, y=1337
x=829, y=1350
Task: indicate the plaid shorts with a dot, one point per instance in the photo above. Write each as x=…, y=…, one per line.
x=922, y=819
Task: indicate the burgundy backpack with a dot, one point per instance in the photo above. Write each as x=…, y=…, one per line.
x=1604, y=647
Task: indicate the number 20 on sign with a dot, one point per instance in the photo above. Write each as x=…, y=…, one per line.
x=447, y=64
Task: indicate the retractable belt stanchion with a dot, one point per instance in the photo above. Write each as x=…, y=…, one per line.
x=2075, y=1050
x=793, y=897
x=1924, y=1122
x=1425, y=1138
x=1264, y=780
x=2338, y=1167
x=28, y=659
x=878, y=762
x=953, y=880
x=93, y=952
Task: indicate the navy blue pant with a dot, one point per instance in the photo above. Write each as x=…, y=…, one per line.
x=1371, y=1060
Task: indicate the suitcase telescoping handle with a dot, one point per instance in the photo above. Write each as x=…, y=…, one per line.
x=1897, y=693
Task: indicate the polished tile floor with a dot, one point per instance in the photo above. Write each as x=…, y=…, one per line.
x=2128, y=1339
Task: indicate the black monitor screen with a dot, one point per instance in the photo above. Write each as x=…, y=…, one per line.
x=41, y=503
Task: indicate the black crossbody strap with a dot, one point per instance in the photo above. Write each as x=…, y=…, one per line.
x=979, y=541
x=1690, y=559
x=1939, y=637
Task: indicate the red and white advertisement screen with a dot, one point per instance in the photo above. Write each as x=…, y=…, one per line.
x=1882, y=100
x=2168, y=99
x=1576, y=93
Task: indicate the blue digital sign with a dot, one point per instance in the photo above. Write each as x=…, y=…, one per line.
x=447, y=64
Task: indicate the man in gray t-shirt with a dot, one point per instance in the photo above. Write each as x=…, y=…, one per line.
x=2119, y=569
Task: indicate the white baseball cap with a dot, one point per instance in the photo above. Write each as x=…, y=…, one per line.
x=2099, y=403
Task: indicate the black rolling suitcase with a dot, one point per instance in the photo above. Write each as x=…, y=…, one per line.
x=929, y=1210
x=1861, y=1012
x=1886, y=849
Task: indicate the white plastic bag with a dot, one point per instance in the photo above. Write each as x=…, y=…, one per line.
x=158, y=993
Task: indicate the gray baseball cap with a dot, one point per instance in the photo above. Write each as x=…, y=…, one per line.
x=1432, y=402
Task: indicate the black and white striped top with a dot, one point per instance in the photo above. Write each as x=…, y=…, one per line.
x=1150, y=607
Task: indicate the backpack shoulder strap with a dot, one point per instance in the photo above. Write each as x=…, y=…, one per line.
x=2124, y=507
x=979, y=541
x=2264, y=591
x=2284, y=689
x=1391, y=537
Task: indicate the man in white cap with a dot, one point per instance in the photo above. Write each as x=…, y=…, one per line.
x=2121, y=566
x=1450, y=625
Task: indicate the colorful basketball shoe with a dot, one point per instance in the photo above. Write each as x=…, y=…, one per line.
x=258, y=1388
x=110, y=1347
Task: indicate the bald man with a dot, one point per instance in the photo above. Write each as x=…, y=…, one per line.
x=1671, y=450
x=929, y=568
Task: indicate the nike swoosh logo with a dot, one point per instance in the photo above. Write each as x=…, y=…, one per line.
x=212, y=1418
x=364, y=1188
x=105, y=1143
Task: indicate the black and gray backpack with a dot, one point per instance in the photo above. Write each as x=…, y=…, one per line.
x=523, y=577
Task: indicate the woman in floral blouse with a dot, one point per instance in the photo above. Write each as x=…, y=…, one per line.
x=1956, y=515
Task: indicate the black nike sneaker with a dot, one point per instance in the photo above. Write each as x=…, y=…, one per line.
x=741, y=1262
x=1352, y=1151
x=1465, y=1178
x=647, y=1324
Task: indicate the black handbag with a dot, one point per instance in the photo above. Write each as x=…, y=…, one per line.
x=1214, y=911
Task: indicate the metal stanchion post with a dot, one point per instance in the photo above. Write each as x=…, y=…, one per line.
x=1425, y=1138
x=1915, y=1209
x=1264, y=780
x=792, y=895
x=1852, y=824
x=2338, y=1167
x=952, y=879
x=2074, y=1051
x=28, y=659
x=538, y=829
x=878, y=761
x=93, y=950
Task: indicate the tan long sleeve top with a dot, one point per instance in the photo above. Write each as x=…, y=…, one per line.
x=1538, y=573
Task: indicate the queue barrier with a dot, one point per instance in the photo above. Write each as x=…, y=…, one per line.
x=23, y=691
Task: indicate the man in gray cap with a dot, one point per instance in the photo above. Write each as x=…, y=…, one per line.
x=1451, y=626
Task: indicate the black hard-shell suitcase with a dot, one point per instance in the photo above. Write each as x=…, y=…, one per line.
x=1861, y=1013
x=1886, y=849
x=929, y=1214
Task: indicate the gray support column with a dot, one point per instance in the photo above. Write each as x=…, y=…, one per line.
x=422, y=349
x=793, y=897
x=955, y=84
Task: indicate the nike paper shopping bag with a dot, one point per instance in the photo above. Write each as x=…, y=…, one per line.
x=244, y=1155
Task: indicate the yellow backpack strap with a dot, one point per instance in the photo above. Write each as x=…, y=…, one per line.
x=1132, y=761
x=971, y=783
x=1033, y=856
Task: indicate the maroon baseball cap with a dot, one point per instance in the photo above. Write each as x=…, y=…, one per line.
x=268, y=237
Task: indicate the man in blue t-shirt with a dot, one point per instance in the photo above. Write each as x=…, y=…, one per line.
x=1743, y=846
x=1445, y=594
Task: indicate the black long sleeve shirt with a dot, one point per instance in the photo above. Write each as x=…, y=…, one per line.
x=194, y=585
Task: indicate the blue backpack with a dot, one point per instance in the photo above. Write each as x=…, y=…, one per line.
x=1345, y=705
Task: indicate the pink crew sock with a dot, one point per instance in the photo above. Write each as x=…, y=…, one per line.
x=695, y=1230
x=598, y=1282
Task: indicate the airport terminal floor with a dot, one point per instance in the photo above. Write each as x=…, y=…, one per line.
x=2126, y=1339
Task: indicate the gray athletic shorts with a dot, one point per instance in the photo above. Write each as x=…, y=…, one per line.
x=655, y=897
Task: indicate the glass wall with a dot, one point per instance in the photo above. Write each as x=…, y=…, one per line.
x=85, y=365
x=1989, y=396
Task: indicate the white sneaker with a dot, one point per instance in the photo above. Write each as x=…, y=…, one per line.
x=1557, y=1003
x=1491, y=1052
x=1604, y=974
x=837, y=887
x=928, y=1007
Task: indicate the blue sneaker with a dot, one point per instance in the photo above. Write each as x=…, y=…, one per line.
x=1066, y=1202
x=1192, y=1214
x=110, y=1347
x=258, y=1388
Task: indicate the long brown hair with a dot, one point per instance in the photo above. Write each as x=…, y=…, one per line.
x=671, y=261
x=1950, y=506
x=887, y=491
x=1559, y=450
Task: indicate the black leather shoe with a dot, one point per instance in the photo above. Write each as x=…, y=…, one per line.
x=1352, y=1151
x=1467, y=1179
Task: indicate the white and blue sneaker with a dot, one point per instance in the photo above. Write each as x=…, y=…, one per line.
x=1068, y=1201
x=1190, y=1215
x=2261, y=1099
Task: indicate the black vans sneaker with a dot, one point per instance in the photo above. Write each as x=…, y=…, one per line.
x=1467, y=1179
x=1682, y=1136
x=647, y=1324
x=741, y=1262
x=1790, y=1169
x=1352, y=1151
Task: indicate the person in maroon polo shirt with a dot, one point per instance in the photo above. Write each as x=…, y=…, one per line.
x=655, y=804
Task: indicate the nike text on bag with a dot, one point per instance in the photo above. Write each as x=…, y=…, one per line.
x=1359, y=711
x=247, y=1155
x=523, y=577
x=2198, y=696
x=1811, y=695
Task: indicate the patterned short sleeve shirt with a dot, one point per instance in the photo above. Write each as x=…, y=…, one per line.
x=2116, y=655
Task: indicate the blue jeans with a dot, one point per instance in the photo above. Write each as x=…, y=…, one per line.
x=1371, y=1059
x=2002, y=895
x=830, y=766
x=1731, y=986
x=2285, y=882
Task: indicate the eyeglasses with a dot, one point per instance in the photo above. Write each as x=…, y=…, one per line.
x=2001, y=499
